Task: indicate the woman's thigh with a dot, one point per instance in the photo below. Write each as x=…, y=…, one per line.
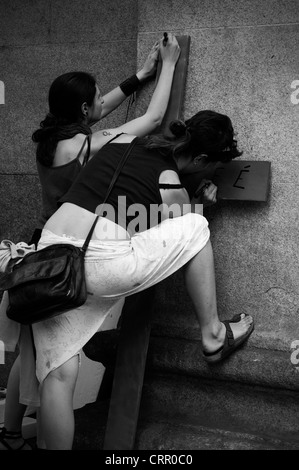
x=156, y=254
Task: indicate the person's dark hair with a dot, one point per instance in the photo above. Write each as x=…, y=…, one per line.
x=65, y=118
x=207, y=132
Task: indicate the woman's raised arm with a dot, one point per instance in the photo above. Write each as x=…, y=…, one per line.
x=152, y=118
x=116, y=96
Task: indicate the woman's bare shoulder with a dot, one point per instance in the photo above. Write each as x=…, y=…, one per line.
x=68, y=149
x=102, y=137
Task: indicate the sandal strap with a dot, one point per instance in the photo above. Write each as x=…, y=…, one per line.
x=10, y=435
x=229, y=337
x=22, y=445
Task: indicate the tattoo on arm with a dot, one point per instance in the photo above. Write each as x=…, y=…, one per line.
x=106, y=133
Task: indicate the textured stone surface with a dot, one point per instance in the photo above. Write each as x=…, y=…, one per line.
x=164, y=15
x=104, y=20
x=249, y=365
x=20, y=196
x=29, y=22
x=173, y=437
x=191, y=414
x=242, y=62
x=28, y=74
x=222, y=406
x=24, y=22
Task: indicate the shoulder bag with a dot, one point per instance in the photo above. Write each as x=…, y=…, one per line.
x=50, y=281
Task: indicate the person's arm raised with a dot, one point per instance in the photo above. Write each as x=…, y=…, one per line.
x=156, y=110
x=116, y=96
x=152, y=118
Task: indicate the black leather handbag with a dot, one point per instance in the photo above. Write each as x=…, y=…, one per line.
x=46, y=283
x=50, y=281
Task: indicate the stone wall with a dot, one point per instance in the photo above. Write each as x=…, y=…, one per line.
x=39, y=40
x=243, y=62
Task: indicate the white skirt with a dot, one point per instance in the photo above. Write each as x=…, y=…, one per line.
x=114, y=270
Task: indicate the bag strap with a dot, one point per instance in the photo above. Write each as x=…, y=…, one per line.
x=114, y=178
x=32, y=340
x=87, y=154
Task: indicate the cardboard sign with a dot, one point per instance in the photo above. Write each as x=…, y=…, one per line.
x=243, y=180
x=176, y=99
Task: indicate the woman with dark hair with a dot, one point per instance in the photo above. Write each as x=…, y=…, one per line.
x=210, y=138
x=65, y=141
x=128, y=254
x=207, y=135
x=65, y=144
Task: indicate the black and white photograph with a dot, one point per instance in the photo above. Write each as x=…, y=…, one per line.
x=149, y=228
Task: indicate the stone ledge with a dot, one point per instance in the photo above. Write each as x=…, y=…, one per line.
x=157, y=432
x=222, y=405
x=251, y=365
x=168, y=436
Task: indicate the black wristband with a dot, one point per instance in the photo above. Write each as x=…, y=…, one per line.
x=130, y=85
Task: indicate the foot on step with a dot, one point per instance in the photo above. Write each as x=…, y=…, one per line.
x=233, y=334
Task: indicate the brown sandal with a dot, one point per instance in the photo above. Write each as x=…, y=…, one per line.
x=230, y=344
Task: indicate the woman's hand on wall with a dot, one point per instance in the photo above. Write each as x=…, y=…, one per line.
x=150, y=65
x=170, y=50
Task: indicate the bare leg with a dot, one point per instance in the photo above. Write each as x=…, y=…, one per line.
x=200, y=283
x=40, y=443
x=14, y=411
x=57, y=416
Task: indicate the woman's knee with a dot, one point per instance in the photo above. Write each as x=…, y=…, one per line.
x=67, y=372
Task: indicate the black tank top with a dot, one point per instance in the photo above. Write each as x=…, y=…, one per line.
x=138, y=182
x=56, y=180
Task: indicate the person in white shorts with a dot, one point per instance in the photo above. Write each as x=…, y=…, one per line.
x=151, y=230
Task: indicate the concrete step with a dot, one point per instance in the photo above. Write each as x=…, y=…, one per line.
x=249, y=364
x=162, y=431
x=229, y=406
x=253, y=394
x=169, y=436
x=250, y=401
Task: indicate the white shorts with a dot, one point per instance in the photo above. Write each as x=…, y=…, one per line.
x=114, y=270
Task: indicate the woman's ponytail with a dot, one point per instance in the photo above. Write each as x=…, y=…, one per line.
x=171, y=146
x=66, y=95
x=178, y=128
x=51, y=131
